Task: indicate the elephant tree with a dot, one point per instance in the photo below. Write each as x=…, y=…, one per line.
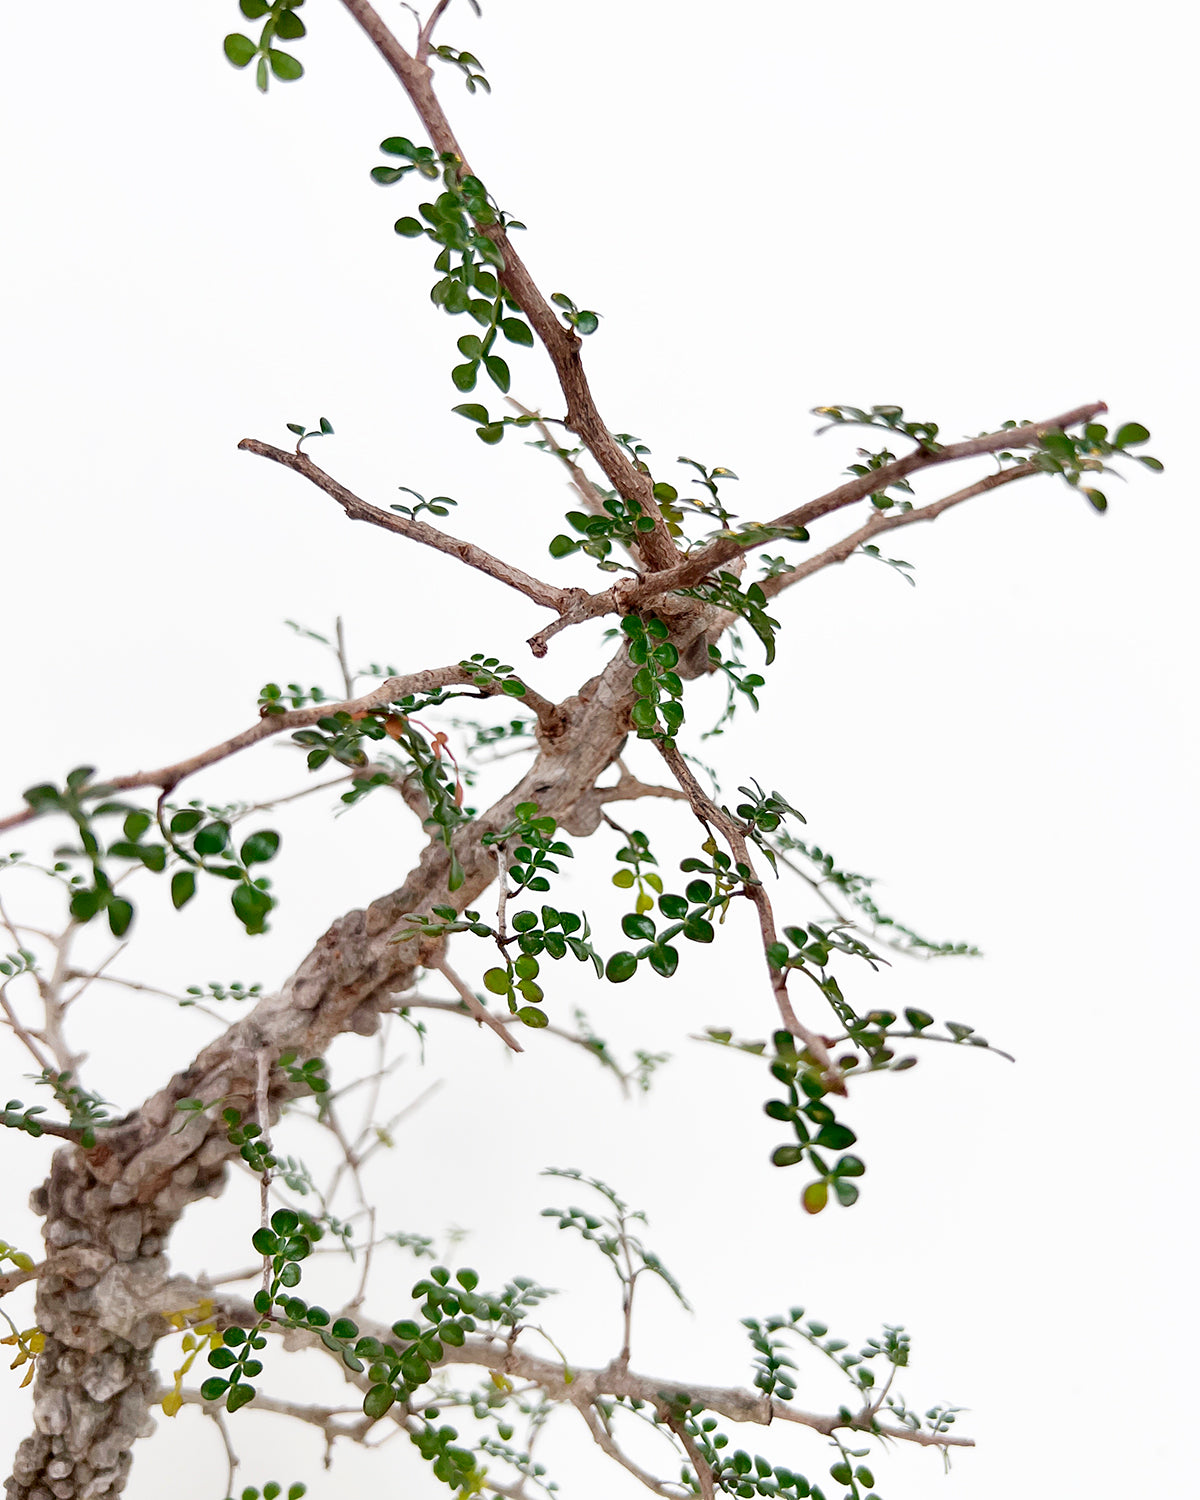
x=686, y=582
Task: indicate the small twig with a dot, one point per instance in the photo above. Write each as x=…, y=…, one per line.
x=473, y=556
x=471, y=1001
x=710, y=814
x=347, y=675
x=704, y=1473
x=31, y=1046
x=262, y=1083
x=213, y=1411
x=10, y=1280
x=881, y=522
x=425, y=35
x=607, y=1444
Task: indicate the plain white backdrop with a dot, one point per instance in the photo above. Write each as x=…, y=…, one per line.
x=978, y=214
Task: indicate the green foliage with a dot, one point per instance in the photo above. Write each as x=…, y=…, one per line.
x=15, y=1116
x=440, y=505
x=623, y=523
x=890, y=417
x=469, y=262
x=580, y=319
x=748, y=604
x=281, y=23
x=881, y=500
x=85, y=1110
x=1075, y=457
x=272, y=1491
x=657, y=712
x=822, y=870
x=612, y=1235
x=213, y=991
x=322, y=429
x=468, y=64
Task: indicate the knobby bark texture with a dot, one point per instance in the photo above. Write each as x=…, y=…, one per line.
x=110, y=1210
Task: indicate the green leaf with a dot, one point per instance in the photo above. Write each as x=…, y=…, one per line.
x=239, y=1395
x=252, y=9
x=698, y=929
x=517, y=332
x=533, y=1017
x=498, y=370
x=473, y=412
x=664, y=959
x=1131, y=432
x=211, y=839
x=586, y=322
x=409, y=227
x=635, y=925
x=497, y=982
x=493, y=433
x=251, y=906
x=378, y=1401
x=183, y=887
x=284, y=66
x=239, y=49
x=815, y=1197
x=787, y=1156
x=620, y=967
x=464, y=376
x=260, y=847
x=120, y=914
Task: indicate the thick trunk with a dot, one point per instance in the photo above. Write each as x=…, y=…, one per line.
x=110, y=1210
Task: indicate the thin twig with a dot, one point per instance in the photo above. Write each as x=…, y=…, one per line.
x=881, y=522
x=712, y=816
x=541, y=593
x=471, y=1001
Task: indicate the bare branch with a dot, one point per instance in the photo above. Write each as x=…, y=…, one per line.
x=483, y=1016
x=425, y=38
x=881, y=522
x=541, y=593
x=607, y=1444
x=704, y=1473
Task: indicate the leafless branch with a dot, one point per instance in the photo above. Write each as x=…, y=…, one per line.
x=480, y=1013
x=881, y=522
x=473, y=556
x=608, y=1444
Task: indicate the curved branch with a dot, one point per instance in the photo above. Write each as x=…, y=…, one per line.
x=169, y=777
x=541, y=593
x=573, y=1384
x=881, y=522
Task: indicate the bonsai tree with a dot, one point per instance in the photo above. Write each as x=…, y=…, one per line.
x=664, y=584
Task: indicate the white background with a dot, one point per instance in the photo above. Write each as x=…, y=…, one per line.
x=977, y=213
